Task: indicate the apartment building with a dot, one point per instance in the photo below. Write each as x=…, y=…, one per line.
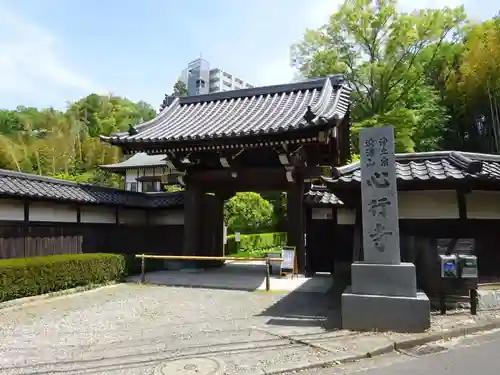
x=200, y=79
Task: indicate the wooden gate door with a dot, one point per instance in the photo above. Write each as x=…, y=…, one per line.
x=320, y=245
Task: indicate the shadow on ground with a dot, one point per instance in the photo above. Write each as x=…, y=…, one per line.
x=299, y=309
x=306, y=302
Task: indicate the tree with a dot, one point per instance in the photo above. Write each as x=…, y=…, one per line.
x=65, y=144
x=248, y=213
x=180, y=89
x=383, y=54
x=475, y=88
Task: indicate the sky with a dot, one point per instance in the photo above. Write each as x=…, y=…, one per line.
x=56, y=51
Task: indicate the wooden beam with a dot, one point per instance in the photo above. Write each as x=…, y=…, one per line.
x=26, y=206
x=26, y=228
x=261, y=175
x=462, y=205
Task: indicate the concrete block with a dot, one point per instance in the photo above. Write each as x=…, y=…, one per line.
x=488, y=299
x=384, y=279
x=385, y=313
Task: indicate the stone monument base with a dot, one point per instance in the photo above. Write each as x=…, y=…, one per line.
x=384, y=297
x=396, y=280
x=385, y=313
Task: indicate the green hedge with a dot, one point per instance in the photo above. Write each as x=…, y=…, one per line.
x=255, y=242
x=24, y=277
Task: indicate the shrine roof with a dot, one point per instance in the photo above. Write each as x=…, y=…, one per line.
x=24, y=185
x=239, y=113
x=429, y=166
x=320, y=195
x=139, y=160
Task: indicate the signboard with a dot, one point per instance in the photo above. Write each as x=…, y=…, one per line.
x=321, y=214
x=237, y=236
x=455, y=246
x=224, y=234
x=288, y=262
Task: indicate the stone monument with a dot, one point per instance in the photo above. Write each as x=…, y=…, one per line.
x=383, y=293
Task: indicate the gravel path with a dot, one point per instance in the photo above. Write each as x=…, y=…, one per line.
x=132, y=329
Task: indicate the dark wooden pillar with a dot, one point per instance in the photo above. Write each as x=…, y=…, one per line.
x=212, y=220
x=307, y=229
x=218, y=224
x=193, y=202
x=358, y=237
x=295, y=211
x=26, y=232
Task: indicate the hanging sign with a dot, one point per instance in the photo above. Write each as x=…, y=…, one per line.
x=288, y=262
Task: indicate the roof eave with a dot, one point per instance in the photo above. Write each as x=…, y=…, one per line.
x=222, y=138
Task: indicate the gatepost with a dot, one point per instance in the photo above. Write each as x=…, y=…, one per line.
x=383, y=293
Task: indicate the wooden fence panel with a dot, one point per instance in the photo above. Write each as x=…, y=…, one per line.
x=41, y=239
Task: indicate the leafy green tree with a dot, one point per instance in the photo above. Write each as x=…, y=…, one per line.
x=476, y=86
x=248, y=213
x=180, y=89
x=381, y=53
x=66, y=143
x=172, y=188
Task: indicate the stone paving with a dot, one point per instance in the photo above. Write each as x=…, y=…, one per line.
x=131, y=328
x=238, y=276
x=145, y=329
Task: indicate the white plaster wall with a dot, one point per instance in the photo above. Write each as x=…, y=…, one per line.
x=132, y=216
x=428, y=204
x=133, y=174
x=130, y=176
x=167, y=217
x=54, y=212
x=483, y=205
x=323, y=213
x=97, y=214
x=346, y=216
x=11, y=209
x=431, y=204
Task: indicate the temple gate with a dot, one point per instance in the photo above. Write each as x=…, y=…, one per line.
x=274, y=138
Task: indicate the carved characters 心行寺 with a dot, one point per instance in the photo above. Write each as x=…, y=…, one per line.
x=378, y=207
x=378, y=236
x=379, y=180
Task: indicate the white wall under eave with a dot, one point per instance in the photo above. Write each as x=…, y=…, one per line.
x=428, y=204
x=167, y=217
x=131, y=175
x=483, y=205
x=346, y=216
x=52, y=212
x=321, y=213
x=417, y=204
x=11, y=209
x=98, y=214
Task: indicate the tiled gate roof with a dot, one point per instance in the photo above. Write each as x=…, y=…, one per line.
x=247, y=112
x=16, y=184
x=431, y=166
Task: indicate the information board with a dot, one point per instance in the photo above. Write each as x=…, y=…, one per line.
x=288, y=262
